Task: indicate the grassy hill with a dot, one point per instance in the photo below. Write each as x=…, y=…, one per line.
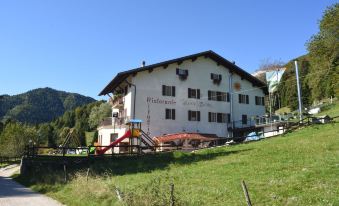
x=39, y=105
x=299, y=168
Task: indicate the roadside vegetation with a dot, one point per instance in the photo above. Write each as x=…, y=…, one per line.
x=14, y=135
x=299, y=168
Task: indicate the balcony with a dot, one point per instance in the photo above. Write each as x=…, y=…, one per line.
x=119, y=122
x=117, y=102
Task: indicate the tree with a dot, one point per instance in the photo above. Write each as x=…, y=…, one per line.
x=98, y=113
x=266, y=66
x=324, y=55
x=15, y=137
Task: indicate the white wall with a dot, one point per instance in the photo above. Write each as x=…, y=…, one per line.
x=149, y=84
x=106, y=131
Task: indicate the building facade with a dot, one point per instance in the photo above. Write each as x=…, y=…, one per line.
x=201, y=93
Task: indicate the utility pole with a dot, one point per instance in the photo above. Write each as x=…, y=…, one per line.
x=299, y=91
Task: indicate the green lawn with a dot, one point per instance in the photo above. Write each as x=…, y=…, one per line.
x=299, y=168
x=332, y=110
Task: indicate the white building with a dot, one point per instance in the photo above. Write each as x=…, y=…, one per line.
x=200, y=93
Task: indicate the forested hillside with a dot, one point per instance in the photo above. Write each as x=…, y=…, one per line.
x=15, y=135
x=319, y=69
x=39, y=105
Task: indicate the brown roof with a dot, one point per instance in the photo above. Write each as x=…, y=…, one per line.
x=121, y=76
x=184, y=135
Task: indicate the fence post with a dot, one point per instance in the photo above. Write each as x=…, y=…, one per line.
x=65, y=173
x=248, y=200
x=172, y=195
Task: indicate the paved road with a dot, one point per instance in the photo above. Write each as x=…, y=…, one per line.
x=14, y=194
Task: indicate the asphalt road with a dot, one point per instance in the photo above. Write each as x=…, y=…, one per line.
x=14, y=194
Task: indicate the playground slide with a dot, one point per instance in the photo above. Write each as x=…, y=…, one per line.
x=117, y=141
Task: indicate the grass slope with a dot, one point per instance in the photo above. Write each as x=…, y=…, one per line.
x=299, y=168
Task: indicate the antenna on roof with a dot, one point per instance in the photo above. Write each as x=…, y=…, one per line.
x=143, y=63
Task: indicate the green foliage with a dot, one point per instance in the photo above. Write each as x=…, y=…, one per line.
x=319, y=69
x=98, y=113
x=77, y=119
x=15, y=137
x=288, y=87
x=324, y=55
x=39, y=105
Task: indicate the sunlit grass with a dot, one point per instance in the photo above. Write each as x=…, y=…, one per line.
x=299, y=168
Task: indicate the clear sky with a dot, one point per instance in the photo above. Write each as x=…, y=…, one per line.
x=79, y=46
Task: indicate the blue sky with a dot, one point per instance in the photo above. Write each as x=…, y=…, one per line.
x=79, y=46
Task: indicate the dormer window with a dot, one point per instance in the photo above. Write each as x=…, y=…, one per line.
x=182, y=73
x=216, y=78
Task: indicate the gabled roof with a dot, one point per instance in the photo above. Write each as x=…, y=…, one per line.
x=121, y=76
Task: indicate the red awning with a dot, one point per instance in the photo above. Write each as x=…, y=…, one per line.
x=183, y=136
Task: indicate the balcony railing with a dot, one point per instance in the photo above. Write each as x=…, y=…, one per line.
x=118, y=122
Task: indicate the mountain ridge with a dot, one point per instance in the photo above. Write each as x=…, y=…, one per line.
x=39, y=105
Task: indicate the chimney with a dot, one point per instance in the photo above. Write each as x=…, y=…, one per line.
x=143, y=63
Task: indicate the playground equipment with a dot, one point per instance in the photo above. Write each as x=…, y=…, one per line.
x=134, y=133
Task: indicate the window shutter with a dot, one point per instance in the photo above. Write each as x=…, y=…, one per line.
x=211, y=75
x=189, y=115
x=263, y=101
x=219, y=117
x=220, y=77
x=186, y=72
x=177, y=71
x=229, y=118
x=209, y=95
x=173, y=91
x=166, y=114
x=189, y=92
x=247, y=99
x=198, y=93
x=209, y=117
x=198, y=115
x=228, y=97
x=163, y=90
x=173, y=113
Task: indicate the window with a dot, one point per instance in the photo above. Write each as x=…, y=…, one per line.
x=216, y=78
x=218, y=117
x=182, y=73
x=218, y=96
x=244, y=119
x=212, y=117
x=114, y=136
x=243, y=99
x=170, y=114
x=259, y=100
x=193, y=115
x=194, y=93
x=168, y=90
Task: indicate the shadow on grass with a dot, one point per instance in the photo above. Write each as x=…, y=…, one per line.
x=51, y=173
x=147, y=163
